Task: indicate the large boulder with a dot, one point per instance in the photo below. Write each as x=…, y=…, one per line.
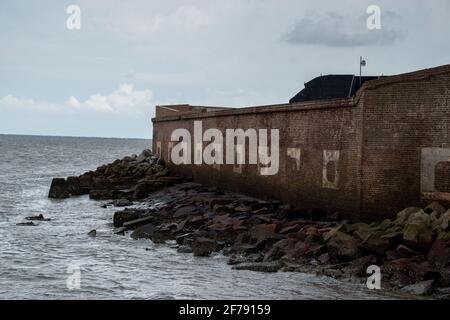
x=417, y=233
x=421, y=288
x=403, y=216
x=203, y=247
x=439, y=253
x=342, y=245
x=58, y=189
x=144, y=232
x=144, y=188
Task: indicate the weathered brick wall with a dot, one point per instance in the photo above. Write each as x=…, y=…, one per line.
x=402, y=116
x=388, y=146
x=310, y=129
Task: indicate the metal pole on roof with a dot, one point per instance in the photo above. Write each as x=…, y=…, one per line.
x=362, y=63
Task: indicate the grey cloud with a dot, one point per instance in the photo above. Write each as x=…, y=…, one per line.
x=337, y=30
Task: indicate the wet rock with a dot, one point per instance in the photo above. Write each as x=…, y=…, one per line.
x=103, y=194
x=58, y=189
x=74, y=187
x=185, y=249
x=122, y=203
x=143, y=232
x=137, y=222
x=260, y=267
x=421, y=288
x=144, y=188
x=40, y=217
x=280, y=249
x=30, y=223
x=92, y=233
x=120, y=217
x=343, y=246
x=161, y=235
x=184, y=211
x=203, y=247
x=359, y=266
x=181, y=238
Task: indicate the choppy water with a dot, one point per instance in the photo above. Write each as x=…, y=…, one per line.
x=35, y=262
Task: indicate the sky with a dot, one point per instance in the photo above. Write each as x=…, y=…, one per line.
x=105, y=78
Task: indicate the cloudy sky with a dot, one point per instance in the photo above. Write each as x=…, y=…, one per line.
x=106, y=78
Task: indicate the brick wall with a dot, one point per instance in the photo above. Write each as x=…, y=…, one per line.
x=366, y=157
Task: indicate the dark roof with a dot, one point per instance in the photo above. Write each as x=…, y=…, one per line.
x=330, y=87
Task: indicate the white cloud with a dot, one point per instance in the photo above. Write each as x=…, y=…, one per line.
x=124, y=100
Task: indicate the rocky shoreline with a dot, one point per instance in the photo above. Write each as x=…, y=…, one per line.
x=412, y=251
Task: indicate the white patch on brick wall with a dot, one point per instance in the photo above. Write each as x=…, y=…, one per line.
x=295, y=153
x=430, y=157
x=240, y=154
x=169, y=151
x=328, y=157
x=198, y=153
x=158, y=148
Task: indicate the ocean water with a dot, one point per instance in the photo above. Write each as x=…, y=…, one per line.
x=58, y=260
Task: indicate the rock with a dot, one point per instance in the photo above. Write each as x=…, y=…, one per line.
x=123, y=216
x=161, y=235
x=342, y=245
x=324, y=258
x=31, y=223
x=185, y=249
x=421, y=288
x=359, y=266
x=180, y=239
x=404, y=215
x=58, y=189
x=375, y=245
x=122, y=203
x=260, y=266
x=439, y=253
x=263, y=232
x=92, y=233
x=203, y=247
x=405, y=252
x=435, y=207
x=279, y=249
x=143, y=232
x=418, y=235
x=441, y=224
x=144, y=188
x=74, y=187
x=101, y=194
x=290, y=229
x=37, y=218
x=137, y=222
x=185, y=211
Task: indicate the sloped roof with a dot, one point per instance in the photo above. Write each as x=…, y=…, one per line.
x=330, y=87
